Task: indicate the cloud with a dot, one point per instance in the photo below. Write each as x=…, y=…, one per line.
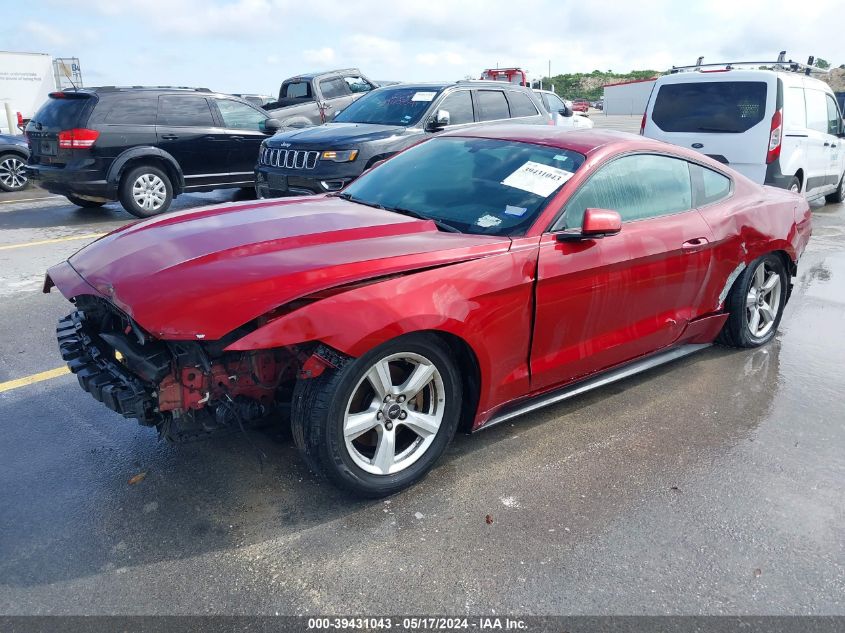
x=447, y=58
x=45, y=34
x=321, y=56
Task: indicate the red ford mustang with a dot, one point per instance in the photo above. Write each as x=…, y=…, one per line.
x=467, y=280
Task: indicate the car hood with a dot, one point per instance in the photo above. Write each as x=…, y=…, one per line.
x=336, y=133
x=204, y=273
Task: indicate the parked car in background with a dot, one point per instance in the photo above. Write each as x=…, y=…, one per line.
x=312, y=99
x=473, y=278
x=144, y=146
x=257, y=100
x=782, y=128
x=564, y=115
x=580, y=105
x=386, y=121
x=14, y=153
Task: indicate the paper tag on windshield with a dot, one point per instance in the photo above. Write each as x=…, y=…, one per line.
x=536, y=178
x=486, y=221
x=423, y=96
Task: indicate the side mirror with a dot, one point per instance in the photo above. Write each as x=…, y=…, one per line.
x=439, y=120
x=566, y=111
x=598, y=223
x=271, y=126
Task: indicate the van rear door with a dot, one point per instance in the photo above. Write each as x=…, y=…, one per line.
x=725, y=115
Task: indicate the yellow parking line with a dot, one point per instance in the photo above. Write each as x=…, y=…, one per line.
x=88, y=236
x=29, y=380
x=30, y=199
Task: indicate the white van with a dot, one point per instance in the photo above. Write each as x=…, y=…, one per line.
x=777, y=127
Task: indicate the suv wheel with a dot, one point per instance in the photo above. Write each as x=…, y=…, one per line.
x=834, y=198
x=12, y=174
x=146, y=191
x=82, y=202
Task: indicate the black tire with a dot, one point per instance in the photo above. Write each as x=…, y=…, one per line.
x=12, y=172
x=320, y=405
x=837, y=196
x=85, y=204
x=737, y=329
x=795, y=184
x=164, y=192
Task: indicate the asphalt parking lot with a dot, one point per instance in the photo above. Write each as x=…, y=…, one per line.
x=714, y=485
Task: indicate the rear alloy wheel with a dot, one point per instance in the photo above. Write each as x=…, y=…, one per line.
x=378, y=424
x=146, y=191
x=756, y=303
x=12, y=172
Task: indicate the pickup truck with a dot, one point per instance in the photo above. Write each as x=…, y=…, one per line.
x=313, y=99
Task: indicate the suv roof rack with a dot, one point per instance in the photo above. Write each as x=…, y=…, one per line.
x=780, y=64
x=115, y=88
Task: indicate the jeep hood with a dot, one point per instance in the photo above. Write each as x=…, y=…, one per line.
x=336, y=133
x=203, y=273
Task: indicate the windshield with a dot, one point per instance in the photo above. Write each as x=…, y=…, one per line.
x=475, y=185
x=389, y=106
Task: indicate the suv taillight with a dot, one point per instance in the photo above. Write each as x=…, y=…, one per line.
x=642, y=125
x=78, y=138
x=775, y=137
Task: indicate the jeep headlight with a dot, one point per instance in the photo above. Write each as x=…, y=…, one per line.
x=340, y=156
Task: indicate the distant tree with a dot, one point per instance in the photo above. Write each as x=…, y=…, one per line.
x=822, y=63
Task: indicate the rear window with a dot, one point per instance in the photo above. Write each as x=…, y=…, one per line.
x=297, y=90
x=62, y=113
x=710, y=106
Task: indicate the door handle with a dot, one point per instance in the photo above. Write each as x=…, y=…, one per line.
x=833, y=145
x=826, y=144
x=695, y=243
x=237, y=138
x=169, y=137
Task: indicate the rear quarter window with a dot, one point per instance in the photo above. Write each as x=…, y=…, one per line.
x=521, y=105
x=708, y=186
x=140, y=111
x=710, y=106
x=492, y=105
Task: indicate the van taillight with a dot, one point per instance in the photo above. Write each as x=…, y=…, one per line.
x=642, y=125
x=78, y=138
x=775, y=137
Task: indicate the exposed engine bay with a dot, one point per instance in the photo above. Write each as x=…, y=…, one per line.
x=185, y=389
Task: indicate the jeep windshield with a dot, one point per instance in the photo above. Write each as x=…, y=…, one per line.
x=474, y=185
x=389, y=106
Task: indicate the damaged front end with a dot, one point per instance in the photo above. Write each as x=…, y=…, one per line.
x=185, y=389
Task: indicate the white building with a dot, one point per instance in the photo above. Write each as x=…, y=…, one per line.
x=628, y=97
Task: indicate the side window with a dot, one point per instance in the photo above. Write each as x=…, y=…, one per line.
x=638, y=187
x=297, y=90
x=554, y=104
x=710, y=186
x=521, y=105
x=816, y=110
x=184, y=111
x=794, y=109
x=240, y=116
x=492, y=105
x=834, y=119
x=459, y=106
x=357, y=84
x=333, y=88
x=133, y=112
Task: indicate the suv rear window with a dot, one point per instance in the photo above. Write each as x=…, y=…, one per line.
x=61, y=113
x=710, y=106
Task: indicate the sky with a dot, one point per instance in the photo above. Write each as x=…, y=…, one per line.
x=252, y=45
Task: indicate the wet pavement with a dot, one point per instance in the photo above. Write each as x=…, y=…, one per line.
x=712, y=485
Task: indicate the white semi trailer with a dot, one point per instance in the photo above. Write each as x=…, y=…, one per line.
x=25, y=81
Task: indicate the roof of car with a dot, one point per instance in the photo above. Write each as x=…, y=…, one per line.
x=582, y=141
x=312, y=75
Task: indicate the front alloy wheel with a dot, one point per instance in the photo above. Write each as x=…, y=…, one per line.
x=12, y=173
x=379, y=423
x=389, y=426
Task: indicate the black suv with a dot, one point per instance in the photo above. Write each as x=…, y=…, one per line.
x=379, y=124
x=143, y=146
